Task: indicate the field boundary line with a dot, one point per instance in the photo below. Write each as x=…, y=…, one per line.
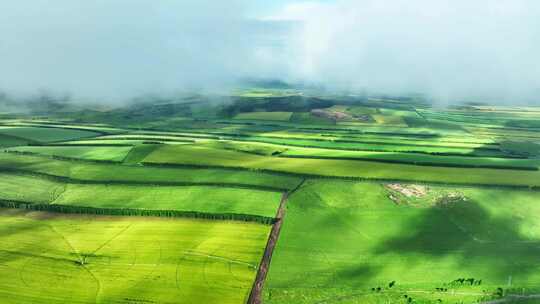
x=70, y=180
x=255, y=295
x=417, y=163
x=344, y=177
x=85, y=210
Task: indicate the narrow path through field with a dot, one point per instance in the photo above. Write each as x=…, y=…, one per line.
x=256, y=290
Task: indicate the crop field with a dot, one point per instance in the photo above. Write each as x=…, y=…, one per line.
x=211, y=199
x=104, y=172
x=83, y=152
x=360, y=169
x=10, y=141
x=38, y=134
x=48, y=258
x=275, y=196
x=280, y=116
x=341, y=239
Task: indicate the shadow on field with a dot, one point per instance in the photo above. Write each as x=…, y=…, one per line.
x=467, y=231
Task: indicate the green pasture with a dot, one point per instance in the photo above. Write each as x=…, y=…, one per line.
x=279, y=116
x=48, y=258
x=139, y=152
x=384, y=145
x=46, y=134
x=210, y=199
x=10, y=141
x=309, y=119
x=207, y=156
x=341, y=239
x=412, y=158
x=106, y=173
x=185, y=198
x=389, y=119
x=116, y=154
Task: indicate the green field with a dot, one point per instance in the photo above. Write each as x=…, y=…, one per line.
x=152, y=175
x=139, y=152
x=46, y=258
x=116, y=154
x=45, y=134
x=211, y=199
x=11, y=141
x=341, y=239
x=280, y=116
x=371, y=199
x=200, y=155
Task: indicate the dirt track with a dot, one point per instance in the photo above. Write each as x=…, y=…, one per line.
x=256, y=291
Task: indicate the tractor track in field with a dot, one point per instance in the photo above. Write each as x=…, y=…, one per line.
x=255, y=296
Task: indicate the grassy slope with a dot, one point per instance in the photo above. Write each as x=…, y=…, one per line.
x=84, y=152
x=129, y=260
x=361, y=169
x=340, y=239
x=46, y=134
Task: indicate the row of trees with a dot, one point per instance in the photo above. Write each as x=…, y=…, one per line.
x=416, y=163
x=339, y=177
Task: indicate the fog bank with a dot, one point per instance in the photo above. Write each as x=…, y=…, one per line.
x=113, y=50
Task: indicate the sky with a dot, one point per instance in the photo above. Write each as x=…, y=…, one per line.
x=114, y=50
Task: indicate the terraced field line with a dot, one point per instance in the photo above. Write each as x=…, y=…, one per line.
x=256, y=290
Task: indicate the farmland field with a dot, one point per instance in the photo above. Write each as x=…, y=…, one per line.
x=200, y=155
x=47, y=258
x=45, y=134
x=92, y=153
x=210, y=199
x=275, y=196
x=341, y=239
x=285, y=116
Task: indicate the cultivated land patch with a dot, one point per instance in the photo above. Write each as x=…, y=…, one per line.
x=116, y=154
x=402, y=203
x=11, y=141
x=111, y=173
x=210, y=199
x=46, y=134
x=205, y=156
x=348, y=241
x=278, y=116
x=47, y=258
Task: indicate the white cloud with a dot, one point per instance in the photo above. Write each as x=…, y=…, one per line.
x=451, y=49
x=115, y=49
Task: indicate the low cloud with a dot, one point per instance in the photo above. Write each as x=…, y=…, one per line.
x=451, y=50
x=103, y=49
x=114, y=50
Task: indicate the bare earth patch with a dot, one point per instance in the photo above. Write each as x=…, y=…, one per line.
x=421, y=195
x=411, y=190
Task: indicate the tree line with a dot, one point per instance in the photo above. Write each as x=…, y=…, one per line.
x=55, y=208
